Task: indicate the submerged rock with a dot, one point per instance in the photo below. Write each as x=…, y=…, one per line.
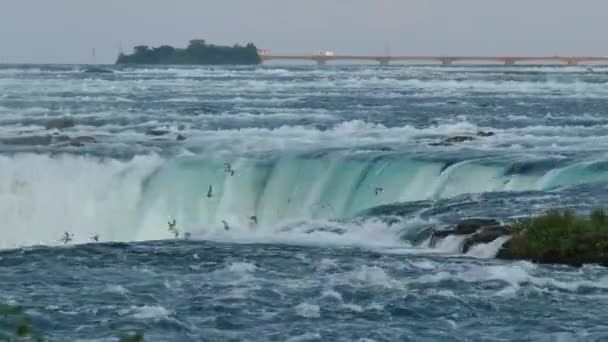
x=453, y=140
x=60, y=123
x=180, y=137
x=157, y=132
x=81, y=141
x=97, y=71
x=485, y=134
x=464, y=227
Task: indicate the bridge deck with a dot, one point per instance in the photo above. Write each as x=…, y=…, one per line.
x=442, y=59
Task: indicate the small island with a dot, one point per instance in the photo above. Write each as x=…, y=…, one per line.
x=198, y=52
x=556, y=237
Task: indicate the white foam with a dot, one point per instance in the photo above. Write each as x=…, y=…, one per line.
x=117, y=289
x=305, y=337
x=487, y=250
x=326, y=264
x=308, y=310
x=331, y=294
x=146, y=312
x=241, y=267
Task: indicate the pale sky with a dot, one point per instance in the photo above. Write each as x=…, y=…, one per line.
x=66, y=31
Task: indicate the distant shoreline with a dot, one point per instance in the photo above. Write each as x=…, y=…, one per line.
x=198, y=52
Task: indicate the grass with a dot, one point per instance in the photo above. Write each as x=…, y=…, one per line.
x=561, y=234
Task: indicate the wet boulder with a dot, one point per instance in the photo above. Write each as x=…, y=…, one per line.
x=464, y=227
x=485, y=134
x=180, y=137
x=486, y=235
x=60, y=123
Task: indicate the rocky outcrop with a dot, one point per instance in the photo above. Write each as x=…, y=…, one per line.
x=60, y=123
x=180, y=137
x=586, y=252
x=556, y=237
x=477, y=230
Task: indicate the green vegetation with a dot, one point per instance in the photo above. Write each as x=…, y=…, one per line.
x=15, y=323
x=15, y=326
x=198, y=52
x=560, y=237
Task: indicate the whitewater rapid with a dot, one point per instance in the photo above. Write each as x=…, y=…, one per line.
x=42, y=196
x=315, y=151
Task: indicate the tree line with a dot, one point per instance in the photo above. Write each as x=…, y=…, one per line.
x=197, y=52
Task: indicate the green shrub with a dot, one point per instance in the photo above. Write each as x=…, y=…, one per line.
x=561, y=233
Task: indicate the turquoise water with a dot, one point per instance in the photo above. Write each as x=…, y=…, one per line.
x=334, y=175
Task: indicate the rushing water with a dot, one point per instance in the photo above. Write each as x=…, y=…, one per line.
x=328, y=179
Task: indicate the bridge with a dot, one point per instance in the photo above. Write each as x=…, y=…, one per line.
x=444, y=60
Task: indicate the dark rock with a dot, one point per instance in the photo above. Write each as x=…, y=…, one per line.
x=458, y=139
x=60, y=123
x=453, y=140
x=97, y=71
x=180, y=137
x=486, y=235
x=438, y=236
x=464, y=227
x=157, y=132
x=485, y=134
x=83, y=140
x=470, y=226
x=585, y=253
x=37, y=140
